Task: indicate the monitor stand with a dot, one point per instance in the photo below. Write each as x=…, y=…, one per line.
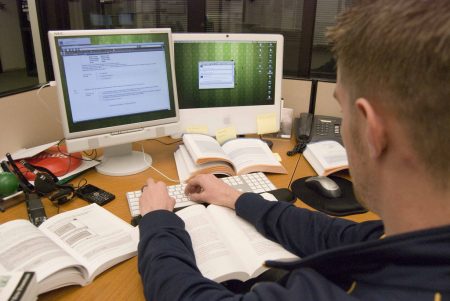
x=121, y=160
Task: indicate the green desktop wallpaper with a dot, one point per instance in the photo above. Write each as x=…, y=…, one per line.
x=251, y=86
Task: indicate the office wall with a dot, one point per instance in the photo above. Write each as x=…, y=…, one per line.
x=296, y=95
x=28, y=120
x=325, y=102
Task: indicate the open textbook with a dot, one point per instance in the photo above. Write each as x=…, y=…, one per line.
x=226, y=246
x=326, y=157
x=70, y=248
x=203, y=154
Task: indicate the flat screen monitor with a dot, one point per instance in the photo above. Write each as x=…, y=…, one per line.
x=115, y=87
x=228, y=80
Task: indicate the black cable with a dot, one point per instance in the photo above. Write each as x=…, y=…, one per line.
x=79, y=182
x=298, y=148
x=177, y=141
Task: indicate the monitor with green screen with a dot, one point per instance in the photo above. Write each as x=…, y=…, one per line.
x=227, y=79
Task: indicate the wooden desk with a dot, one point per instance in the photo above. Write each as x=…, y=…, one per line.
x=122, y=282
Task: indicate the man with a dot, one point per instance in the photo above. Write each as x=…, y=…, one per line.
x=394, y=89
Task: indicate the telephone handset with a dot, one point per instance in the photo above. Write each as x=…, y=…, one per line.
x=305, y=123
x=313, y=128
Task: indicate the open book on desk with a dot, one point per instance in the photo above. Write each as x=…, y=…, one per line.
x=326, y=157
x=203, y=154
x=226, y=246
x=70, y=248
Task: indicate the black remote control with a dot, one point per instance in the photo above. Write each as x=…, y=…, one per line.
x=94, y=194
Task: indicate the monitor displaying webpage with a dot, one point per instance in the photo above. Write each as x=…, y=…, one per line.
x=225, y=73
x=113, y=80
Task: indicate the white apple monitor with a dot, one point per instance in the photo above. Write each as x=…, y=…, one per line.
x=115, y=87
x=228, y=80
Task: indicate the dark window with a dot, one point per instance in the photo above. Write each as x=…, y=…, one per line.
x=17, y=62
x=302, y=23
x=323, y=64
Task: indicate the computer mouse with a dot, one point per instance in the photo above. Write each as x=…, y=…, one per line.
x=324, y=186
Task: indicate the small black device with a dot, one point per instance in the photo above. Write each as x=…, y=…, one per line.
x=135, y=220
x=94, y=194
x=35, y=209
x=64, y=194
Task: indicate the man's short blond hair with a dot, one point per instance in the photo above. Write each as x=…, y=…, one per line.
x=397, y=53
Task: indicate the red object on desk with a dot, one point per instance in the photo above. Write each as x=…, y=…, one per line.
x=54, y=159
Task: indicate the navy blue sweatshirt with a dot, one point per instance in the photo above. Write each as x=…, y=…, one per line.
x=341, y=259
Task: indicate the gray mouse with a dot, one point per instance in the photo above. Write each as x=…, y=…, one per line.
x=324, y=186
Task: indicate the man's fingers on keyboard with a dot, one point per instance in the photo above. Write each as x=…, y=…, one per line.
x=196, y=197
x=192, y=189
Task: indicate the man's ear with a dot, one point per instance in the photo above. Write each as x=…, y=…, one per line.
x=375, y=132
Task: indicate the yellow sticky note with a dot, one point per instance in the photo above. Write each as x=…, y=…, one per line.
x=197, y=129
x=266, y=123
x=225, y=134
x=277, y=156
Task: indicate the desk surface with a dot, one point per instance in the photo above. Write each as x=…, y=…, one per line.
x=123, y=281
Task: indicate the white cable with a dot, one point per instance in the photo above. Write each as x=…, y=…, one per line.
x=150, y=165
x=38, y=93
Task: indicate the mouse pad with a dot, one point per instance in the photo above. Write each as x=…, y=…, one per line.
x=341, y=206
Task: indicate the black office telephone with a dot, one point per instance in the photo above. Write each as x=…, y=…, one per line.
x=313, y=128
x=319, y=127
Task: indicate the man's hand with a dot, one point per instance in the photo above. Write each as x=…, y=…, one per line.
x=208, y=188
x=155, y=197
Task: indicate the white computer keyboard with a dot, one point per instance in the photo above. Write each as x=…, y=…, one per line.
x=254, y=182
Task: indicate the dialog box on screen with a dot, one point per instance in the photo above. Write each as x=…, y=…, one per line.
x=216, y=75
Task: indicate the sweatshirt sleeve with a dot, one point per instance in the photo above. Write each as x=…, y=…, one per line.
x=166, y=260
x=302, y=231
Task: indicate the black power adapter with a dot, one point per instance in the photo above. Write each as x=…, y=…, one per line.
x=36, y=211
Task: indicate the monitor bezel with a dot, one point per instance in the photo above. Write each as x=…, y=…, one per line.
x=68, y=134
x=242, y=118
